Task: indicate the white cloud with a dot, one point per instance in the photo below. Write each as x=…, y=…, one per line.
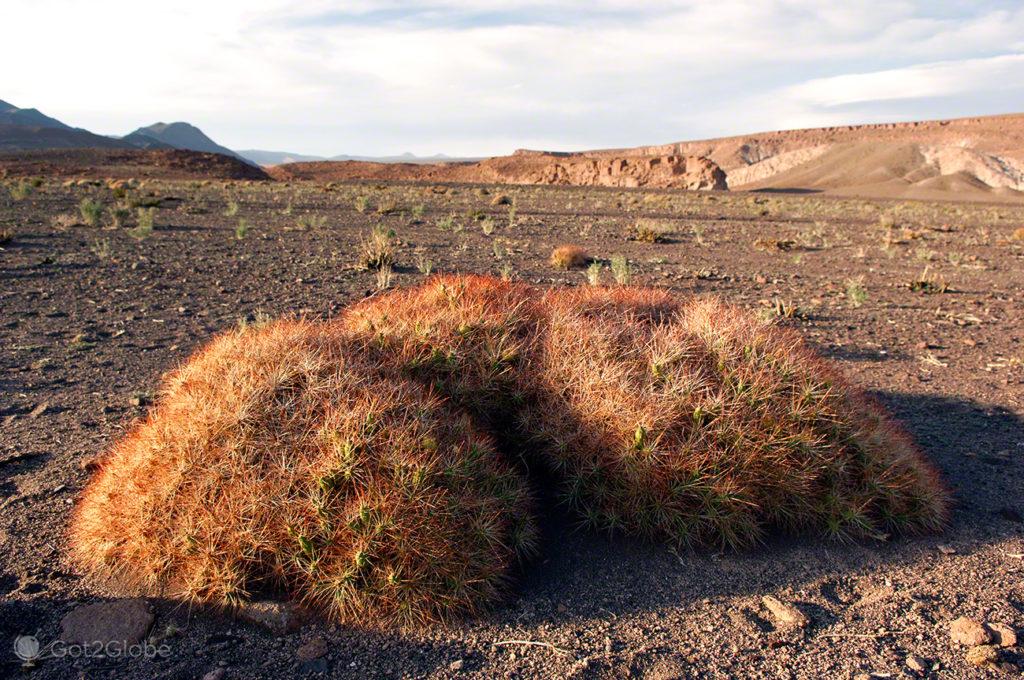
x=924, y=80
x=462, y=76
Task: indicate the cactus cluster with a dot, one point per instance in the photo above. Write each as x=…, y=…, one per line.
x=353, y=463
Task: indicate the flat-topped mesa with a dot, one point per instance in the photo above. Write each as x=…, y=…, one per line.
x=665, y=172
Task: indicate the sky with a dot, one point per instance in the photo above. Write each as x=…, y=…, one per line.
x=380, y=77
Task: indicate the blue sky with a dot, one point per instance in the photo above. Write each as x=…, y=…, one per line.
x=478, y=78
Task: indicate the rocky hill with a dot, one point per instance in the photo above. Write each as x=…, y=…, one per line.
x=670, y=171
x=972, y=158
x=125, y=163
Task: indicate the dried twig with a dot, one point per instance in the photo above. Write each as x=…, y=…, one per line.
x=866, y=636
x=532, y=643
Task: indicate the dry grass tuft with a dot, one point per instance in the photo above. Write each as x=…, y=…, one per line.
x=653, y=231
x=320, y=458
x=378, y=249
x=569, y=257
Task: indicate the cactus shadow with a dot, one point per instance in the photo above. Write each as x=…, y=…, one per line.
x=978, y=448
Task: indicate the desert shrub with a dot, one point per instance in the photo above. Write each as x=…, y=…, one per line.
x=856, y=293
x=378, y=249
x=91, y=211
x=310, y=222
x=144, y=224
x=341, y=462
x=706, y=426
x=241, y=229
x=467, y=336
x=446, y=223
x=388, y=206
x=652, y=231
x=119, y=216
x=6, y=236
x=569, y=257
x=501, y=199
x=277, y=457
x=594, y=273
x=622, y=271
x=703, y=424
x=20, y=190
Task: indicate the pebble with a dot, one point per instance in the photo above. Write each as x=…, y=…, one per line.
x=126, y=621
x=313, y=649
x=279, y=617
x=456, y=665
x=785, y=613
x=983, y=655
x=969, y=632
x=215, y=674
x=917, y=663
x=1002, y=635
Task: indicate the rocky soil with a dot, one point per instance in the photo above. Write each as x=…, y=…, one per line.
x=918, y=302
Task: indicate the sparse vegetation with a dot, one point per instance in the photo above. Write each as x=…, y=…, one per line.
x=569, y=257
x=856, y=293
x=241, y=229
x=379, y=248
x=311, y=221
x=91, y=211
x=101, y=248
x=622, y=271
x=928, y=283
x=446, y=223
x=424, y=264
x=144, y=224
x=594, y=273
x=652, y=231
x=20, y=190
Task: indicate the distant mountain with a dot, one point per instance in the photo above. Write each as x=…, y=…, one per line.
x=22, y=137
x=268, y=158
x=406, y=158
x=177, y=136
x=12, y=115
x=276, y=157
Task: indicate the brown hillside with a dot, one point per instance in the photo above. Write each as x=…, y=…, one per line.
x=662, y=171
x=124, y=163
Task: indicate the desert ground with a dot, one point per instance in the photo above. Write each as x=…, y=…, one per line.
x=920, y=303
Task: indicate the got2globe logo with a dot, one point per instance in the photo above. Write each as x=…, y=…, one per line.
x=29, y=650
x=26, y=648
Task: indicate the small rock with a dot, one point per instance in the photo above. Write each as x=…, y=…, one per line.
x=39, y=410
x=1002, y=635
x=91, y=463
x=946, y=549
x=456, y=665
x=562, y=608
x=983, y=655
x=126, y=621
x=314, y=667
x=917, y=663
x=215, y=674
x=279, y=617
x=969, y=632
x=787, y=614
x=313, y=649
